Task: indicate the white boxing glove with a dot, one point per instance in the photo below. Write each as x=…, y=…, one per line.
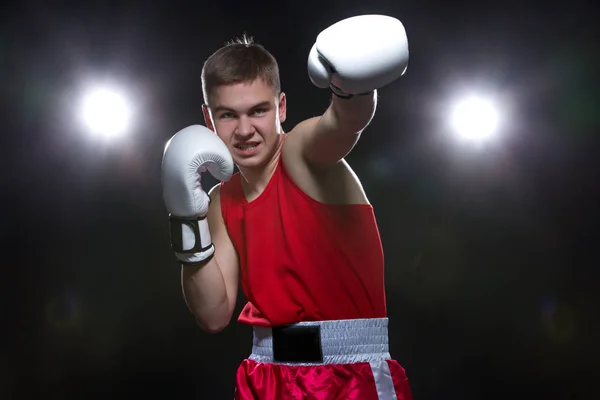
x=359, y=54
x=187, y=154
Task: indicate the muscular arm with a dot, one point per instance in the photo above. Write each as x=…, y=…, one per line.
x=327, y=139
x=210, y=290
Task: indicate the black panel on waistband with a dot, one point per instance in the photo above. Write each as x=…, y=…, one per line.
x=297, y=344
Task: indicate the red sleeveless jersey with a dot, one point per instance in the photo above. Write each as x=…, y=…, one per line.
x=303, y=260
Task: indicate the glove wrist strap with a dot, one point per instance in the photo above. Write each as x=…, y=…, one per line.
x=190, y=239
x=342, y=95
x=339, y=93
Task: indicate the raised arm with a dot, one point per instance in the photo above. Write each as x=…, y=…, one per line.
x=353, y=58
x=199, y=239
x=210, y=289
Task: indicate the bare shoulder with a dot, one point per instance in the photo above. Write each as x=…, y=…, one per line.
x=215, y=216
x=215, y=193
x=334, y=183
x=225, y=251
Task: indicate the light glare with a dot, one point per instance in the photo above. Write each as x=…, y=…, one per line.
x=475, y=118
x=106, y=112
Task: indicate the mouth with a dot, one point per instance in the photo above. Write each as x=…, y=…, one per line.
x=246, y=147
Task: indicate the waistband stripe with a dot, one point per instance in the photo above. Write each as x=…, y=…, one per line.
x=342, y=342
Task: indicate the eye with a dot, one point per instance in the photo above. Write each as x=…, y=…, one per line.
x=226, y=115
x=259, y=111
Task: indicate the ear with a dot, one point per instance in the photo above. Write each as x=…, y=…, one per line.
x=282, y=107
x=207, y=118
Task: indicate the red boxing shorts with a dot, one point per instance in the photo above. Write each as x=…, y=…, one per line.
x=323, y=360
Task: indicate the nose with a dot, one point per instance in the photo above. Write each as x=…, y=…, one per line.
x=244, y=128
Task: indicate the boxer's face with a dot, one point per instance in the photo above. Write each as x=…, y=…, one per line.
x=247, y=117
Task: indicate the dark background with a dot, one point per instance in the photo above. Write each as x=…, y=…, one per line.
x=492, y=269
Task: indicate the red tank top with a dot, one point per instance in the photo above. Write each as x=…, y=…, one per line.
x=303, y=260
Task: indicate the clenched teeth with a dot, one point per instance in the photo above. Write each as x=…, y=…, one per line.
x=246, y=146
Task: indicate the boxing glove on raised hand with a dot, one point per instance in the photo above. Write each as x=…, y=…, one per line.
x=189, y=153
x=359, y=54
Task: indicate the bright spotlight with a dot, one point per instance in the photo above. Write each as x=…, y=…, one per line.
x=474, y=118
x=106, y=112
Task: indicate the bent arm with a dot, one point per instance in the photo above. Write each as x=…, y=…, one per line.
x=327, y=139
x=210, y=290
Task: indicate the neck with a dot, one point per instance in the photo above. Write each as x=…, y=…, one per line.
x=255, y=180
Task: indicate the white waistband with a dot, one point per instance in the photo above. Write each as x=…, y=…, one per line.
x=342, y=341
